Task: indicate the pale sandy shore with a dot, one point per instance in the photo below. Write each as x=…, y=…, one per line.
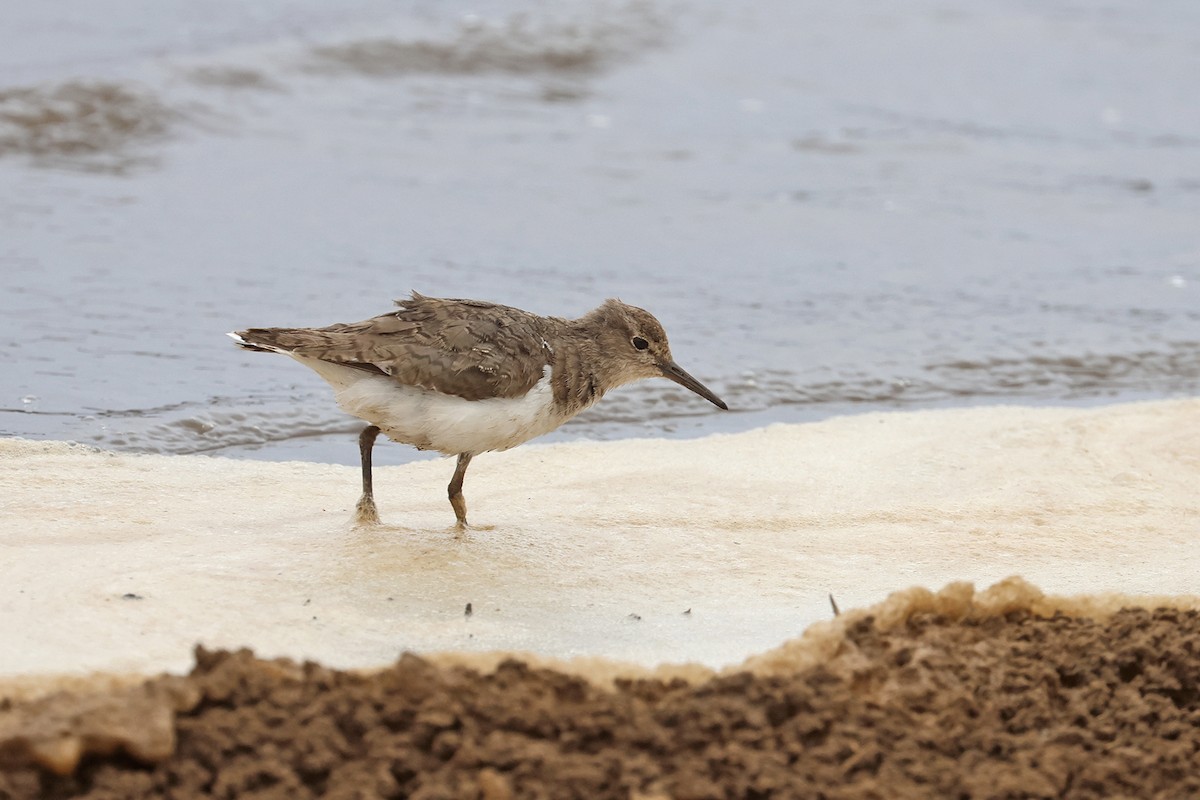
x=650, y=552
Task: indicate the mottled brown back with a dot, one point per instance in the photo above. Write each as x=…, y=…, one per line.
x=468, y=348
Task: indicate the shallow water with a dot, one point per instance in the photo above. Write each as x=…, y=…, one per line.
x=831, y=208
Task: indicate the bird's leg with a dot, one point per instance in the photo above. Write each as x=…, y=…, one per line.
x=455, y=490
x=365, y=512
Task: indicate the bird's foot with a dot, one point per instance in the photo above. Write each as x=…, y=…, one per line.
x=365, y=512
x=462, y=526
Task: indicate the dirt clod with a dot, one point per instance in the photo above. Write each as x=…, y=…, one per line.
x=1006, y=707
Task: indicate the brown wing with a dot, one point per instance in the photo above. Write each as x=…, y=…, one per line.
x=467, y=348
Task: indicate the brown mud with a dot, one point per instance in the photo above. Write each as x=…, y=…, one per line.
x=1012, y=705
x=93, y=125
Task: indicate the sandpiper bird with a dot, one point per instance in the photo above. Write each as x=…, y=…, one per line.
x=464, y=376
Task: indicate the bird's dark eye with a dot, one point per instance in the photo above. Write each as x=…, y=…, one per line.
x=640, y=343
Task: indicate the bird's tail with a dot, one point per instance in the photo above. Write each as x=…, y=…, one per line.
x=271, y=340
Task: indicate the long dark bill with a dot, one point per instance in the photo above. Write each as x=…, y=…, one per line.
x=679, y=375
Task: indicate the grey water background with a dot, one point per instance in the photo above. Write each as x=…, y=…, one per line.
x=833, y=207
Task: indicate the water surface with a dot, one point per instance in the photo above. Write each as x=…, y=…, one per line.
x=832, y=208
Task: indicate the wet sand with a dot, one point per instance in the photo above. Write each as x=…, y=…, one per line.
x=122, y=562
x=1003, y=694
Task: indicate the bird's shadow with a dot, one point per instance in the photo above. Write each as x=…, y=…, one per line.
x=358, y=527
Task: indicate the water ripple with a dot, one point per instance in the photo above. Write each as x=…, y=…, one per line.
x=231, y=423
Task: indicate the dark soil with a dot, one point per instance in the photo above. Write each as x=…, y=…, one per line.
x=1008, y=707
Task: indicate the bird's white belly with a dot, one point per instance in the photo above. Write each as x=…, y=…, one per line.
x=435, y=421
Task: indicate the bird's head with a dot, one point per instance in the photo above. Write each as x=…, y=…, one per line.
x=635, y=346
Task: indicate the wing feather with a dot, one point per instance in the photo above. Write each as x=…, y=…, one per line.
x=468, y=348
